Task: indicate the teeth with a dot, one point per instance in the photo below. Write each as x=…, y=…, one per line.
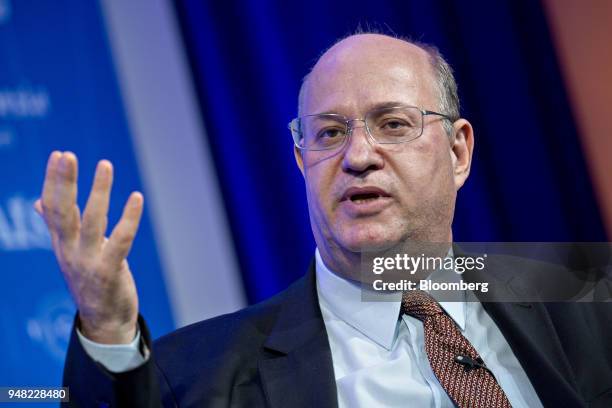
x=361, y=199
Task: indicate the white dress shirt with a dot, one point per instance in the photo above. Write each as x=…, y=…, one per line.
x=378, y=359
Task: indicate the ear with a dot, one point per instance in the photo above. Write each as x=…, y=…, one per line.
x=462, y=147
x=299, y=159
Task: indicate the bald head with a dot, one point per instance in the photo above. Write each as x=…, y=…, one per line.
x=362, y=56
x=371, y=51
x=360, y=87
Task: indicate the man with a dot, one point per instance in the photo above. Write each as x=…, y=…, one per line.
x=383, y=153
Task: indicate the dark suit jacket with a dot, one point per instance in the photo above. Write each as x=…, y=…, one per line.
x=276, y=354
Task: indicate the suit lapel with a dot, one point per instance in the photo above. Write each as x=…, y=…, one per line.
x=529, y=330
x=534, y=341
x=298, y=370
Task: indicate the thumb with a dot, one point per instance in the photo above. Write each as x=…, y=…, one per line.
x=38, y=207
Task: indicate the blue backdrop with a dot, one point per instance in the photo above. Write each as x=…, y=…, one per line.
x=529, y=181
x=57, y=91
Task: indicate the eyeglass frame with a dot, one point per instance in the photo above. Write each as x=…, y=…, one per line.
x=349, y=128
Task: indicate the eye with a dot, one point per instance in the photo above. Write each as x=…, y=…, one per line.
x=394, y=124
x=330, y=133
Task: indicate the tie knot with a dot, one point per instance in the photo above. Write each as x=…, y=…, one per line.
x=419, y=304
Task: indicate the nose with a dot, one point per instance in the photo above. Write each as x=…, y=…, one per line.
x=360, y=152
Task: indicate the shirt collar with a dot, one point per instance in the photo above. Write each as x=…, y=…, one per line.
x=375, y=319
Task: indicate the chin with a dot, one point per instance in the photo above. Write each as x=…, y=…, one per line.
x=368, y=239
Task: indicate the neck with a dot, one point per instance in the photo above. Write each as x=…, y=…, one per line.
x=359, y=265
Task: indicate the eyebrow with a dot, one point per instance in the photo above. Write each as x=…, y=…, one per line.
x=381, y=105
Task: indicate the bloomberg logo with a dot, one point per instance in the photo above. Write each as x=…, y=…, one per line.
x=5, y=11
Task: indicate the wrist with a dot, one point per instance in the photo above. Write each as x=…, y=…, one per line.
x=108, y=333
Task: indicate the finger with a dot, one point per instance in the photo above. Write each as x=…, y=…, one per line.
x=38, y=207
x=94, y=222
x=65, y=214
x=120, y=242
x=49, y=183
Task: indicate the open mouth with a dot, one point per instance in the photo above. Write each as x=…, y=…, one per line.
x=364, y=197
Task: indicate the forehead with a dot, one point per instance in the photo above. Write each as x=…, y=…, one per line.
x=367, y=70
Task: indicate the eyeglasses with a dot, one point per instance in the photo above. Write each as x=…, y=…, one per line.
x=392, y=125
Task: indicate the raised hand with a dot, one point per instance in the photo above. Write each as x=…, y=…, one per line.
x=95, y=267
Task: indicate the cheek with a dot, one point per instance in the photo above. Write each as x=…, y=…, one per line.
x=425, y=170
x=319, y=183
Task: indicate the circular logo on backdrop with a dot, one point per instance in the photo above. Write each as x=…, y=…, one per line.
x=5, y=11
x=52, y=323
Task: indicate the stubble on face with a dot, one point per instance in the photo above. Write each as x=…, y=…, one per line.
x=352, y=77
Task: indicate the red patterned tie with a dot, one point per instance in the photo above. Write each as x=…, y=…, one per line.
x=469, y=384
